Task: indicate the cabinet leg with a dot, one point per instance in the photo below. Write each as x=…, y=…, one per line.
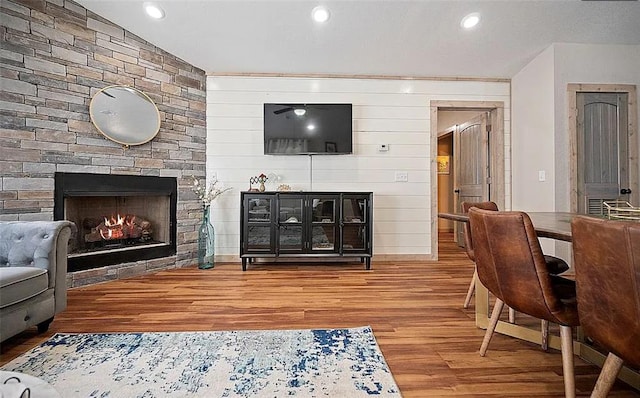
x=244, y=264
x=368, y=261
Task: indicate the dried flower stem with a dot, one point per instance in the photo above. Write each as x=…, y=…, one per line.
x=207, y=194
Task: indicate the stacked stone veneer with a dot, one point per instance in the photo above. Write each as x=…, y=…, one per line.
x=54, y=56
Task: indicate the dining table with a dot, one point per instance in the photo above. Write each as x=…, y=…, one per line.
x=552, y=225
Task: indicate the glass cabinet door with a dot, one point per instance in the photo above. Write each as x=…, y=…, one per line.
x=354, y=228
x=258, y=233
x=259, y=209
x=259, y=238
x=354, y=237
x=354, y=209
x=324, y=221
x=290, y=219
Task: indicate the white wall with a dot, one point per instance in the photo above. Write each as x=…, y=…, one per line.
x=393, y=112
x=533, y=135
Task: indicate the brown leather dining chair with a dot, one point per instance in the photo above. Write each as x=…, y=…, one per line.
x=555, y=265
x=607, y=266
x=512, y=267
x=468, y=243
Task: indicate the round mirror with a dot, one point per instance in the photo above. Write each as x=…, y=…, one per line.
x=125, y=115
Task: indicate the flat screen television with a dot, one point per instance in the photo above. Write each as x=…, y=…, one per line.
x=308, y=129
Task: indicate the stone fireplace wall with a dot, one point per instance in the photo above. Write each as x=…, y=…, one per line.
x=54, y=55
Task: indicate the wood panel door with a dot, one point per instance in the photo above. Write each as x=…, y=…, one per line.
x=602, y=149
x=471, y=164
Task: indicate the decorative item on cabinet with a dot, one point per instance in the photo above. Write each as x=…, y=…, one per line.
x=253, y=180
x=262, y=178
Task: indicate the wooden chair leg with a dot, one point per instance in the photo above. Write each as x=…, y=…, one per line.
x=512, y=315
x=472, y=287
x=495, y=316
x=607, y=377
x=544, y=326
x=566, y=343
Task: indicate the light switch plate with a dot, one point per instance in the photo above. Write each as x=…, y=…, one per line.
x=402, y=176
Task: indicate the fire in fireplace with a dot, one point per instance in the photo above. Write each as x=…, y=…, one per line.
x=118, y=218
x=118, y=222
x=128, y=229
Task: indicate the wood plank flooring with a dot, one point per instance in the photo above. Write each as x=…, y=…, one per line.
x=415, y=309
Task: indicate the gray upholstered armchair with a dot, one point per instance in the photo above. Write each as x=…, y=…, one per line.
x=33, y=270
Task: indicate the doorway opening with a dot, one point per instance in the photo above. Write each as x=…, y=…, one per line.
x=488, y=169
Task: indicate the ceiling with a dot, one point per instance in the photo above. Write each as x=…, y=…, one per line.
x=383, y=37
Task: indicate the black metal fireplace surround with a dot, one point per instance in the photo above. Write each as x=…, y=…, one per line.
x=90, y=187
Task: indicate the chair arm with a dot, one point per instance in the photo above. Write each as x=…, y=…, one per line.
x=41, y=244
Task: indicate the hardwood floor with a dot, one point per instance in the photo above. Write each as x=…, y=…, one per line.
x=429, y=341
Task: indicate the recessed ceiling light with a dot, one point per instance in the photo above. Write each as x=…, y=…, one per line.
x=299, y=111
x=153, y=10
x=470, y=20
x=320, y=14
x=311, y=127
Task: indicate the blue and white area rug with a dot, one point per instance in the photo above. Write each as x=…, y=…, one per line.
x=291, y=363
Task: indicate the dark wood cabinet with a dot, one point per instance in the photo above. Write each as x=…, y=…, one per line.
x=306, y=224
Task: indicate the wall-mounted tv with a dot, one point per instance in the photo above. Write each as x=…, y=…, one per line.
x=308, y=129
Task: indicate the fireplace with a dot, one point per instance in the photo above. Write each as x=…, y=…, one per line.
x=119, y=218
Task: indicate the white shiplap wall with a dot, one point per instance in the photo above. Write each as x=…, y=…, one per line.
x=385, y=111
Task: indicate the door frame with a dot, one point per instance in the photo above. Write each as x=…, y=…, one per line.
x=447, y=134
x=632, y=124
x=496, y=148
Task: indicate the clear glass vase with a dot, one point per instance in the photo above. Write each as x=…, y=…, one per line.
x=206, y=242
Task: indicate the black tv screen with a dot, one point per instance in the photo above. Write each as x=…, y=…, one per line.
x=307, y=129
